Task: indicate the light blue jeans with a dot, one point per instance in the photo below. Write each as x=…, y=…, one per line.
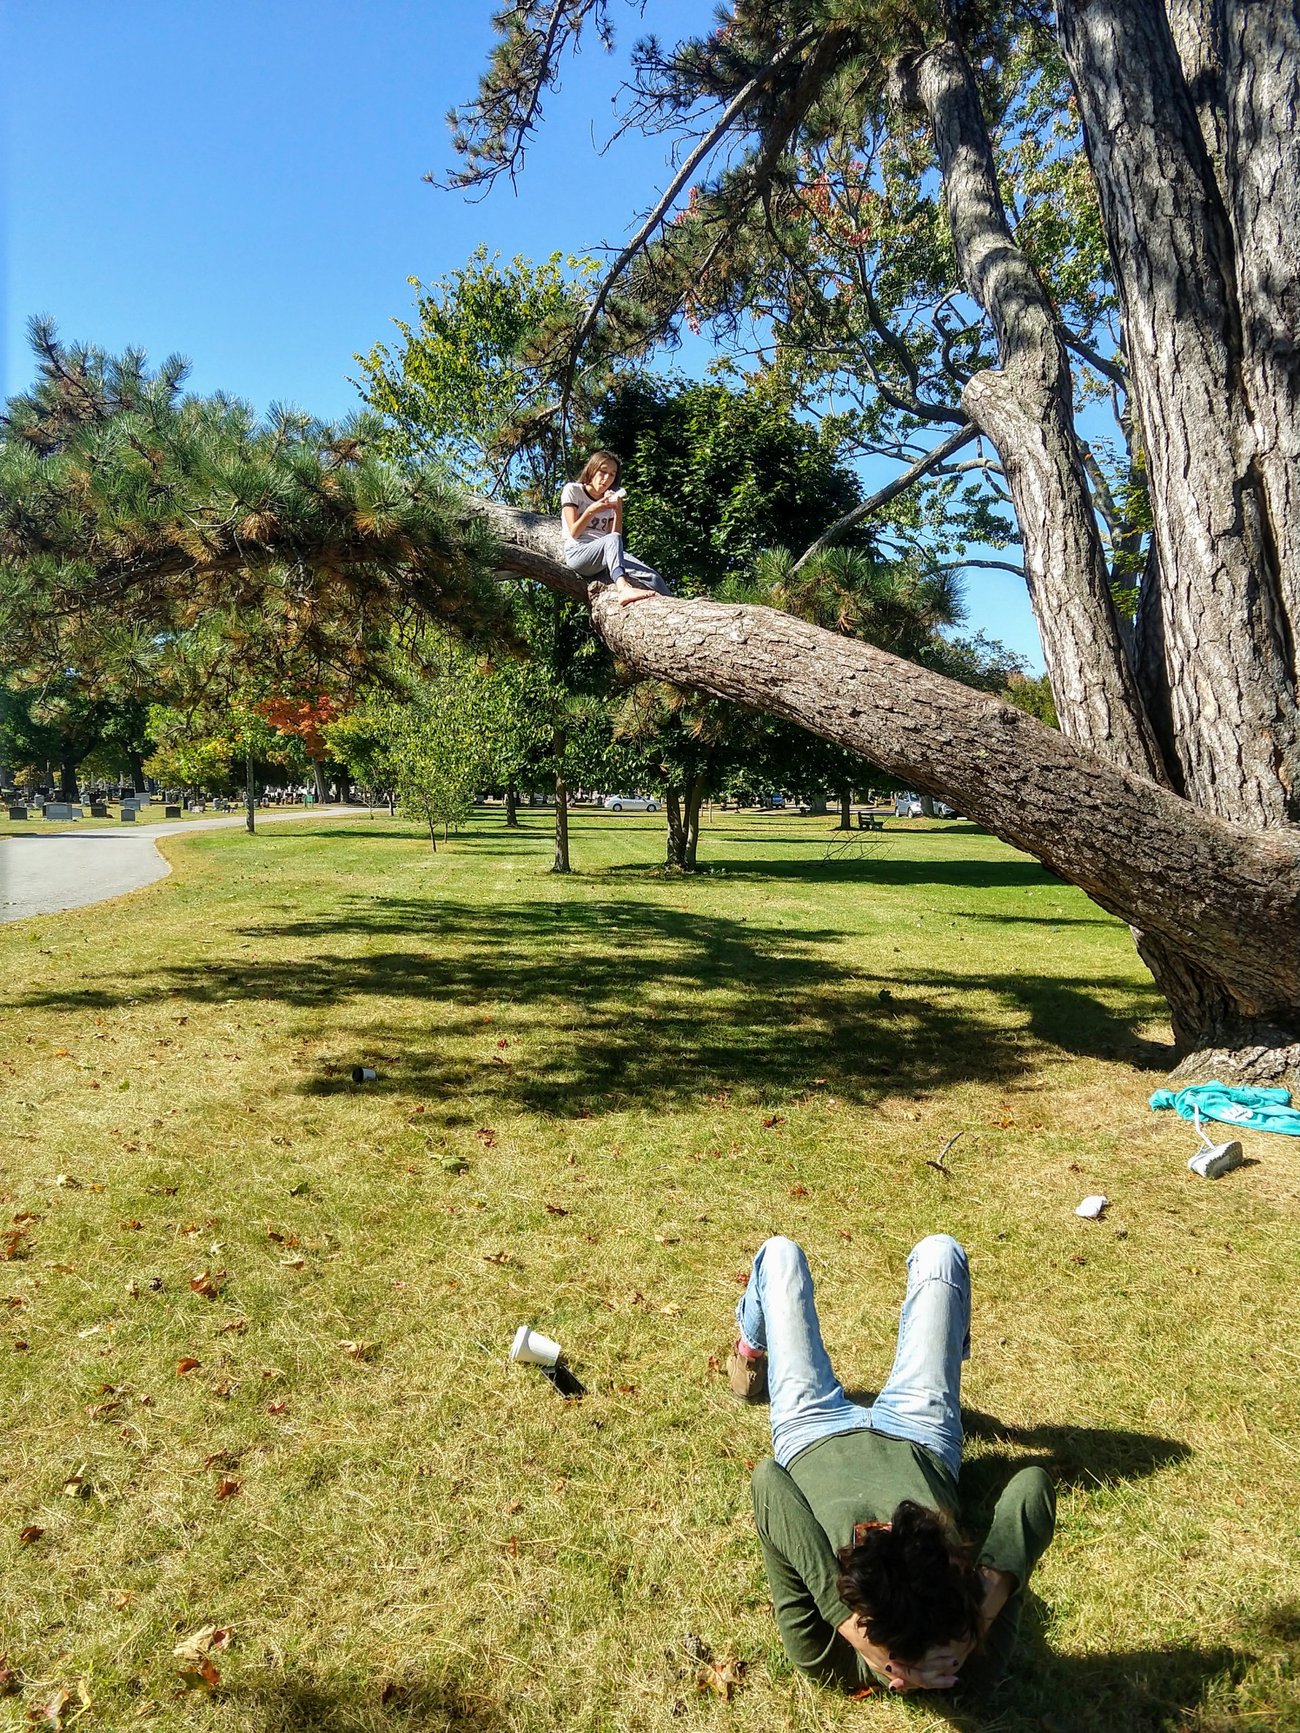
x=607, y=558
x=921, y=1399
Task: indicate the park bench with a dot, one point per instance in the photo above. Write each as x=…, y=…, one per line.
x=869, y=821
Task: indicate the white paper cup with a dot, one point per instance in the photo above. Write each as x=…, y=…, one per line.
x=531, y=1348
x=363, y=1074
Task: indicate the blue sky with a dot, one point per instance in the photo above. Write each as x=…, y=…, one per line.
x=241, y=182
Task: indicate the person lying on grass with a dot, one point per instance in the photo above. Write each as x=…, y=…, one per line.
x=591, y=521
x=856, y=1515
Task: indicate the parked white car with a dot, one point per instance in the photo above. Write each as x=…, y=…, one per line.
x=629, y=803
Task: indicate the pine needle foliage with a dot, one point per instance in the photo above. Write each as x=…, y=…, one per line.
x=126, y=506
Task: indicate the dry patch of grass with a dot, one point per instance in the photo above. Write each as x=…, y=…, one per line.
x=253, y=1318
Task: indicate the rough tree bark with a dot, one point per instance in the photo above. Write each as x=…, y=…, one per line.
x=512, y=807
x=1216, y=585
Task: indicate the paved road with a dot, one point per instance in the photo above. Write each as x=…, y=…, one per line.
x=43, y=872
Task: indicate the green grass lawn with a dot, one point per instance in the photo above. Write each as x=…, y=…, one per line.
x=596, y=1096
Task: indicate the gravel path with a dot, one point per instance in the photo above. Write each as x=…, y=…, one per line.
x=43, y=872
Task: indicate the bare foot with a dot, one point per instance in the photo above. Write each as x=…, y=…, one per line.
x=630, y=592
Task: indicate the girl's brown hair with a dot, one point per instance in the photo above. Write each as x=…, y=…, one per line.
x=599, y=460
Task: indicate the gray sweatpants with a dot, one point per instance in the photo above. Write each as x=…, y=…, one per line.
x=606, y=557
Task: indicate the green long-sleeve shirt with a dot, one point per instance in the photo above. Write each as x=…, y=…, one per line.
x=807, y=1512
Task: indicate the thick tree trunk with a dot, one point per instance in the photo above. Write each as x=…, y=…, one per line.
x=512, y=807
x=318, y=777
x=1228, y=676
x=68, y=779
x=1026, y=411
x=846, y=810
x=1262, y=43
x=561, y=862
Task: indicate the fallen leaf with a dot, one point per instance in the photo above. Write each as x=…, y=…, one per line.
x=227, y=1487
x=209, y=1283
x=14, y=1244
x=133, y=1226
x=503, y=1042
x=773, y=1121
x=514, y=1507
x=497, y=1258
x=556, y=1209
x=359, y=1350
x=487, y=1136
x=188, y=1364
x=21, y=1346
x=196, y=1651
x=798, y=1191
x=51, y=1710
x=293, y=1263
x=512, y=1546
x=122, y=1599
x=68, y=1180
x=218, y=1459
x=670, y=1311
x=75, y=1486
x=669, y=1239
x=30, y=1534
x=722, y=1677
x=236, y=1327
x=9, y=1680
x=276, y=1407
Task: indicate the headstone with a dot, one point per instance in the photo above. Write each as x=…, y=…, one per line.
x=18, y=812
x=97, y=810
x=63, y=809
x=171, y=812
x=128, y=815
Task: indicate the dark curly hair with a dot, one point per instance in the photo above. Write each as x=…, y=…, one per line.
x=913, y=1584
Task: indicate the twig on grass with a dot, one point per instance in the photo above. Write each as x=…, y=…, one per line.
x=938, y=1165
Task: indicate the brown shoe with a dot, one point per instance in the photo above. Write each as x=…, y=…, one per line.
x=747, y=1377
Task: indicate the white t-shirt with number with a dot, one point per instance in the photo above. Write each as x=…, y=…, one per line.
x=576, y=495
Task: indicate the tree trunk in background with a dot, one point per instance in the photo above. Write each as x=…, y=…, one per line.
x=68, y=779
x=561, y=863
x=318, y=777
x=433, y=835
x=512, y=804
x=250, y=796
x=694, y=800
x=846, y=810
x=682, y=805
x=676, y=832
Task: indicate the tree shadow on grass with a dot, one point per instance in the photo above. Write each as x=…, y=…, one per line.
x=1124, y=1691
x=613, y=1006
x=304, y=1702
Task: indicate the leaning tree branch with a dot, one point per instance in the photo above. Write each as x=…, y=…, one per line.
x=891, y=490
x=1139, y=851
x=712, y=138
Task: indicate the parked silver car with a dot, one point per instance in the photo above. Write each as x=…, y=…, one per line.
x=629, y=803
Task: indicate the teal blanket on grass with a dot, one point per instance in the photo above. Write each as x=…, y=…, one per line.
x=1249, y=1109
